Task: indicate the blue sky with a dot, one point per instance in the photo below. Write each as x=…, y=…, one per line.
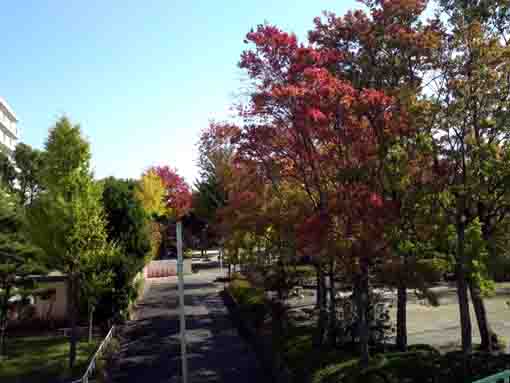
x=141, y=77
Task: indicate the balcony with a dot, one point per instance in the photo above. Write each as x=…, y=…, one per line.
x=9, y=125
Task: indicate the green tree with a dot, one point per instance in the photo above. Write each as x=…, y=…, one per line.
x=28, y=162
x=67, y=222
x=97, y=268
x=215, y=163
x=18, y=259
x=128, y=226
x=470, y=121
x=7, y=172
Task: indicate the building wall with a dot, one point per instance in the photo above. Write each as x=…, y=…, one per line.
x=9, y=133
x=59, y=309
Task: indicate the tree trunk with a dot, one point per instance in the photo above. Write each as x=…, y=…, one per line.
x=318, y=292
x=362, y=310
x=73, y=303
x=481, y=316
x=486, y=333
x=332, y=305
x=323, y=314
x=402, y=309
x=2, y=342
x=462, y=293
x=3, y=320
x=402, y=318
x=91, y=322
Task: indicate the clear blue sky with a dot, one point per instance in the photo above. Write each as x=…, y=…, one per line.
x=141, y=77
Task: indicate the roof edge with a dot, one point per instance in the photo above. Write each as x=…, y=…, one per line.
x=9, y=109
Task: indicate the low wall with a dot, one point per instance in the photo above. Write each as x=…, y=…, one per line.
x=165, y=268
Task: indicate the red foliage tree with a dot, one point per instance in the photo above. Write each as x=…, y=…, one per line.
x=178, y=194
x=305, y=123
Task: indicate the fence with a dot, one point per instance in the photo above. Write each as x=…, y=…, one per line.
x=92, y=365
x=503, y=377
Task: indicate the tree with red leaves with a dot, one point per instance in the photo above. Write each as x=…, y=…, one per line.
x=308, y=125
x=390, y=49
x=178, y=194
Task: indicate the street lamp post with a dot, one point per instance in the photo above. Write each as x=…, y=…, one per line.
x=182, y=315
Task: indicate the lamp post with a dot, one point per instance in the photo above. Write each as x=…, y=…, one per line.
x=182, y=315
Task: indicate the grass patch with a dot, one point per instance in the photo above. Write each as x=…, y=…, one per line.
x=422, y=364
x=43, y=359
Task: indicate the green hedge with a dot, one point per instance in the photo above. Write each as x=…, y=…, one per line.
x=251, y=301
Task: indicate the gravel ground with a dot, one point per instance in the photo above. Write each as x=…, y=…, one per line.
x=150, y=346
x=439, y=326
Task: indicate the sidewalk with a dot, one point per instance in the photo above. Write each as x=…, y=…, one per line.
x=150, y=345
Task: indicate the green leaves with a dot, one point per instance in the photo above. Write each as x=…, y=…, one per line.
x=7, y=172
x=66, y=159
x=29, y=164
x=18, y=258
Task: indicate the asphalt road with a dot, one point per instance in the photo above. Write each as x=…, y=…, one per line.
x=150, y=345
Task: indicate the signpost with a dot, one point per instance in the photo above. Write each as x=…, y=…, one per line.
x=182, y=315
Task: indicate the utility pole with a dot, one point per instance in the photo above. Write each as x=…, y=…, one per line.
x=182, y=315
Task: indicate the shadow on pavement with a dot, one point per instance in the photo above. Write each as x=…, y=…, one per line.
x=150, y=346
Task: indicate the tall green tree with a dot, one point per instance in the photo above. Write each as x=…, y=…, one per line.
x=128, y=226
x=18, y=259
x=67, y=221
x=471, y=94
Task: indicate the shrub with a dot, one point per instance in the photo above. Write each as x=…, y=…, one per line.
x=424, y=348
x=499, y=268
x=432, y=270
x=251, y=301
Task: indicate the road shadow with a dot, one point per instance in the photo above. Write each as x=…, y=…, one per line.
x=150, y=346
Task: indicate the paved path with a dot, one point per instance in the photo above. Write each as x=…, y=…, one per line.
x=150, y=345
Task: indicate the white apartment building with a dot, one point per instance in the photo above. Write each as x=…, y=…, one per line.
x=9, y=133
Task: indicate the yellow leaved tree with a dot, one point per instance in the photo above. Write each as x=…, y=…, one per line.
x=150, y=191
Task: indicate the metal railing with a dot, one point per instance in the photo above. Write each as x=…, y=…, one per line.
x=502, y=377
x=92, y=365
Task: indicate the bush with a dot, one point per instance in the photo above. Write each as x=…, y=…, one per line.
x=423, y=348
x=251, y=301
x=499, y=268
x=432, y=270
x=105, y=360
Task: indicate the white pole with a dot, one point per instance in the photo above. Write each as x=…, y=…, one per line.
x=181, y=303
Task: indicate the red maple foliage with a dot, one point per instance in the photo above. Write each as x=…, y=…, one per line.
x=317, y=128
x=178, y=194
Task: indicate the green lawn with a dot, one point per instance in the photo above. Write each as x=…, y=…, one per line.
x=43, y=359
